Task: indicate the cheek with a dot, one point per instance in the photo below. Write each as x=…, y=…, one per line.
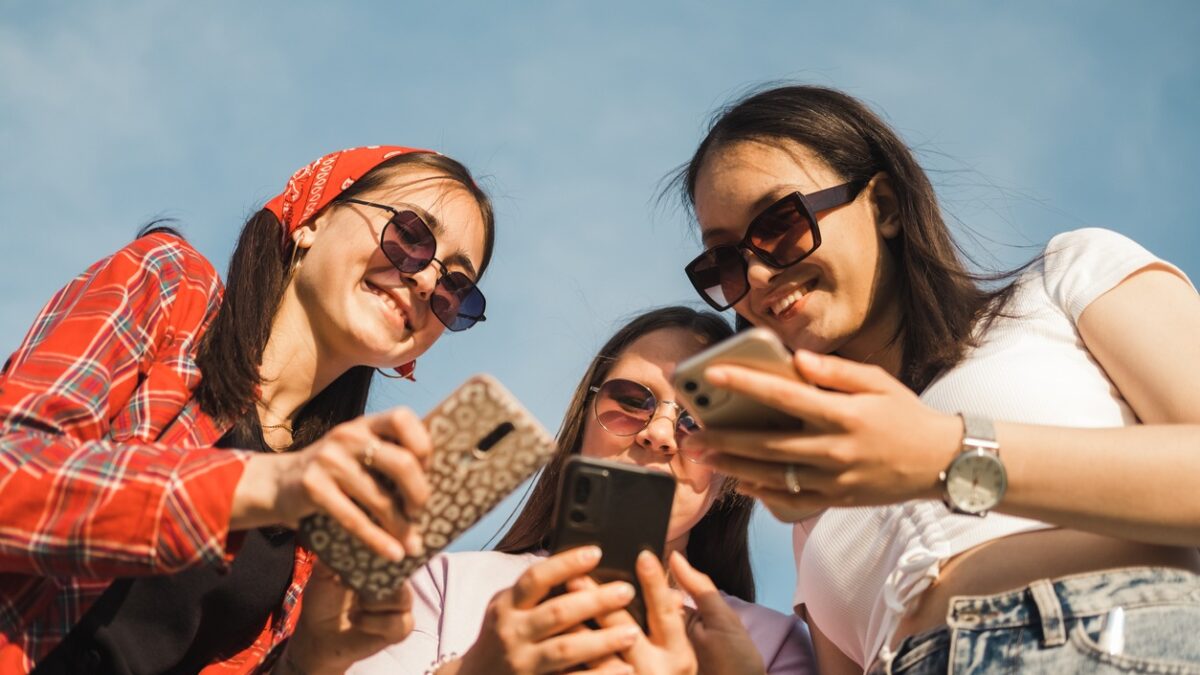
x=598, y=442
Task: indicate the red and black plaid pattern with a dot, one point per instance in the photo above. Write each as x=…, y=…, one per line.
x=106, y=462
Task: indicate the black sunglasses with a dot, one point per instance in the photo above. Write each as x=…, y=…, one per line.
x=782, y=235
x=409, y=245
x=624, y=407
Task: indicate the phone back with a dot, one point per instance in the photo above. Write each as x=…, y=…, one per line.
x=621, y=508
x=484, y=445
x=757, y=348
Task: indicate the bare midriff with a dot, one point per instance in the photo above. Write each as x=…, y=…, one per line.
x=1016, y=561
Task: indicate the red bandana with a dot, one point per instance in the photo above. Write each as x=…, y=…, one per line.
x=314, y=186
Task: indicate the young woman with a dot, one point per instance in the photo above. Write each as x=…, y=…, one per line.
x=1063, y=400
x=492, y=612
x=156, y=431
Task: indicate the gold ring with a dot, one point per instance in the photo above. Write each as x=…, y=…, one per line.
x=791, y=479
x=369, y=454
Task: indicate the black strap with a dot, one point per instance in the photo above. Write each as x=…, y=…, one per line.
x=182, y=622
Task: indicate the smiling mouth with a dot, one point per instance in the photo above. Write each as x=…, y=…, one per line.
x=780, y=306
x=391, y=302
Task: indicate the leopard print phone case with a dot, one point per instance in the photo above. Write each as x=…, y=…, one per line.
x=485, y=444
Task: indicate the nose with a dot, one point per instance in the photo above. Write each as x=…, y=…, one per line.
x=659, y=434
x=758, y=273
x=423, y=281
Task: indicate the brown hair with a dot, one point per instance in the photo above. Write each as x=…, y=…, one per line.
x=941, y=301
x=231, y=350
x=717, y=544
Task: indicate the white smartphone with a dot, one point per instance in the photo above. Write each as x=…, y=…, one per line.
x=718, y=408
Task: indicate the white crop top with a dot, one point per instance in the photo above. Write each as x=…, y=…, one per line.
x=859, y=569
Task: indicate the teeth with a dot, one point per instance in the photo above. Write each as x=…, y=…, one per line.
x=794, y=296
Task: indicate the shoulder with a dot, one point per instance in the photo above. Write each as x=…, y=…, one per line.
x=169, y=257
x=477, y=568
x=782, y=639
x=1080, y=265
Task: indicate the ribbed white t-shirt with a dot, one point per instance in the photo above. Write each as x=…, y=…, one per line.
x=860, y=569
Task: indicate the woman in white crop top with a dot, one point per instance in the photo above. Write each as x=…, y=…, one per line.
x=1063, y=399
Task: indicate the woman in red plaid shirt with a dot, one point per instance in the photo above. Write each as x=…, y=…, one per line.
x=146, y=495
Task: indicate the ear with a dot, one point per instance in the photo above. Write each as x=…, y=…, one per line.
x=305, y=235
x=885, y=205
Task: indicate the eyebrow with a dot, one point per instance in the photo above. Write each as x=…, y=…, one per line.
x=759, y=206
x=435, y=226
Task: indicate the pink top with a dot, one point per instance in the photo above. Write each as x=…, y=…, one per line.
x=451, y=593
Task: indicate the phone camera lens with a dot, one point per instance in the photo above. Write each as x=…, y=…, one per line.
x=702, y=400
x=578, y=516
x=690, y=386
x=583, y=490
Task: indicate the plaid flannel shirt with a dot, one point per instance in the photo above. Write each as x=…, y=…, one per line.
x=106, y=461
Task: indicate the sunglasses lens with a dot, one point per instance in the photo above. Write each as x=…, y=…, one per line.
x=624, y=407
x=783, y=234
x=719, y=274
x=687, y=424
x=457, y=302
x=408, y=243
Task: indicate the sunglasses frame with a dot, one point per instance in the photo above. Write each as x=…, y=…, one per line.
x=443, y=273
x=680, y=411
x=808, y=205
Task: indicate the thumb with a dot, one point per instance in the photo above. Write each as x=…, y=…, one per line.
x=713, y=610
x=839, y=374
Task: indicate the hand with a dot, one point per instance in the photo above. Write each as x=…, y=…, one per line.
x=721, y=642
x=525, y=633
x=867, y=438
x=330, y=475
x=338, y=628
x=665, y=650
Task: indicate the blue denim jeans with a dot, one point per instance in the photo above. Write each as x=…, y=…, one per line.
x=1057, y=626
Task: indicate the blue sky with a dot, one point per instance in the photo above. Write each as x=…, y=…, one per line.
x=1033, y=117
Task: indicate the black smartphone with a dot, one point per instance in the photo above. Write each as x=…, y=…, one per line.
x=621, y=508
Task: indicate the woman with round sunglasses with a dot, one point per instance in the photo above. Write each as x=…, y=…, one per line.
x=497, y=612
x=161, y=435
x=1060, y=400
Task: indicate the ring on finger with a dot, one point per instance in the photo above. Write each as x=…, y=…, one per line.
x=791, y=480
x=368, y=457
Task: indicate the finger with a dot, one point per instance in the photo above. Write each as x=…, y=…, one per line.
x=797, y=399
x=394, y=626
x=398, y=601
x=406, y=473
x=556, y=615
x=356, y=482
x=772, y=475
x=536, y=582
x=609, y=666
x=664, y=615
x=771, y=446
x=787, y=507
x=839, y=374
x=575, y=648
x=402, y=427
x=329, y=497
x=713, y=609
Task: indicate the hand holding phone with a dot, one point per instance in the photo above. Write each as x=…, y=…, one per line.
x=621, y=508
x=484, y=445
x=718, y=408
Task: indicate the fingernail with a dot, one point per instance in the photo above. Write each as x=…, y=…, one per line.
x=589, y=554
x=622, y=591
x=629, y=634
x=645, y=558
x=416, y=544
x=807, y=358
x=717, y=375
x=396, y=552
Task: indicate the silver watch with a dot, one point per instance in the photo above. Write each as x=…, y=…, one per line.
x=975, y=481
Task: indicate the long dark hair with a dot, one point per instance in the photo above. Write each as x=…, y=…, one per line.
x=941, y=301
x=717, y=544
x=231, y=350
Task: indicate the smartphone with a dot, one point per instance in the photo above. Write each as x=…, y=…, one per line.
x=718, y=408
x=621, y=508
x=485, y=444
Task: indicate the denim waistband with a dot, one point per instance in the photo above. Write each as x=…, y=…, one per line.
x=1049, y=603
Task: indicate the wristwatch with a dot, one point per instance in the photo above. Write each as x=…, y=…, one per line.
x=975, y=481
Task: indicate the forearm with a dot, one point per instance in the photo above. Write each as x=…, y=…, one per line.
x=1136, y=483
x=100, y=509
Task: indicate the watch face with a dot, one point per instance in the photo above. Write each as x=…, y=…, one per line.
x=975, y=481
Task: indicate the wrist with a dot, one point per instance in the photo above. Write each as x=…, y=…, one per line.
x=256, y=496
x=945, y=442
x=297, y=661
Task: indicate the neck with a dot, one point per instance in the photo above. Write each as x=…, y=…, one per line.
x=295, y=367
